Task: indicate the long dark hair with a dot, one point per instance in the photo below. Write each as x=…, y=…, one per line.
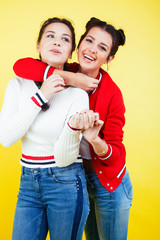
x=118, y=36
x=42, y=29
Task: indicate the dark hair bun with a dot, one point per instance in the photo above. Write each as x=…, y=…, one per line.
x=95, y=22
x=121, y=37
x=92, y=22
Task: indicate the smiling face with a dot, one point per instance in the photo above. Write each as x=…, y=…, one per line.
x=94, y=51
x=55, y=46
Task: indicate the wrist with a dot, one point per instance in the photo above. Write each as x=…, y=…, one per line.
x=70, y=78
x=64, y=75
x=104, y=151
x=73, y=128
x=96, y=140
x=100, y=147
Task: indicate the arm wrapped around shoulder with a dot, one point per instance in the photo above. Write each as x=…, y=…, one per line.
x=32, y=69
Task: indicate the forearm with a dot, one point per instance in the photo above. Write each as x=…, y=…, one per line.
x=32, y=69
x=78, y=80
x=100, y=147
x=36, y=70
x=69, y=77
x=66, y=149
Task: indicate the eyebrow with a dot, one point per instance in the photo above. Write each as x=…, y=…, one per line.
x=64, y=34
x=100, y=43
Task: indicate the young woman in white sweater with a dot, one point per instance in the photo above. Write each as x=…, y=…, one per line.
x=52, y=194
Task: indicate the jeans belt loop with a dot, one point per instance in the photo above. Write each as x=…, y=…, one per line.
x=49, y=171
x=22, y=170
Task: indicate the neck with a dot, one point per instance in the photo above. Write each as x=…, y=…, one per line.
x=55, y=65
x=89, y=73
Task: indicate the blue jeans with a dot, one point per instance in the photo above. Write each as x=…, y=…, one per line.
x=109, y=215
x=53, y=199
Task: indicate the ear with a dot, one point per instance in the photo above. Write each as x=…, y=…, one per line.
x=70, y=56
x=38, y=48
x=110, y=59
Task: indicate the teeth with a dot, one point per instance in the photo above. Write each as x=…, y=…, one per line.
x=90, y=58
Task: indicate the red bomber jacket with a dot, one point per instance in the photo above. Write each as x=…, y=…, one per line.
x=107, y=100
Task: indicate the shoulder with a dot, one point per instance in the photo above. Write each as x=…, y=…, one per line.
x=18, y=81
x=77, y=91
x=18, y=84
x=15, y=83
x=77, y=96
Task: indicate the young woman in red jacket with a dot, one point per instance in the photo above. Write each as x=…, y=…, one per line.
x=109, y=184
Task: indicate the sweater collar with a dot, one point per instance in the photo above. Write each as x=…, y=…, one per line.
x=99, y=77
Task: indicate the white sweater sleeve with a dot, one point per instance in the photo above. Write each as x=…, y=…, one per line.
x=66, y=148
x=16, y=118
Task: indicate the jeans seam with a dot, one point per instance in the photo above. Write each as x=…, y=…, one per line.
x=111, y=218
x=39, y=225
x=79, y=209
x=126, y=192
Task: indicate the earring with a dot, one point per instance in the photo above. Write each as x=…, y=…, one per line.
x=107, y=66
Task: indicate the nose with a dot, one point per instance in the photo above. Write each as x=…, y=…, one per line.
x=56, y=42
x=93, y=50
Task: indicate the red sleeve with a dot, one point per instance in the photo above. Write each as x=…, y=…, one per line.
x=32, y=69
x=113, y=128
x=110, y=106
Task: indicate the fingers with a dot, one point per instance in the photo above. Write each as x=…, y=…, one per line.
x=56, y=80
x=76, y=121
x=95, y=82
x=51, y=85
x=89, y=119
x=82, y=120
x=99, y=123
x=85, y=119
x=92, y=85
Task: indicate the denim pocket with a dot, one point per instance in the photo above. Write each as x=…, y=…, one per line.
x=127, y=185
x=65, y=177
x=68, y=174
x=94, y=180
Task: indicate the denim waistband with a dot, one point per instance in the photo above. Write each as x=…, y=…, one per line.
x=32, y=171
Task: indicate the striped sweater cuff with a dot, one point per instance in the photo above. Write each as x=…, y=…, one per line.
x=39, y=99
x=74, y=129
x=48, y=72
x=108, y=154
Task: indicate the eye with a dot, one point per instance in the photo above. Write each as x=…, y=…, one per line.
x=65, y=39
x=50, y=36
x=102, y=48
x=89, y=40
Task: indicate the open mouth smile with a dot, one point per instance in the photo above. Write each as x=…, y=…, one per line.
x=88, y=57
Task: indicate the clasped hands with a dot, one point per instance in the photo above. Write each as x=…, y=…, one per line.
x=89, y=122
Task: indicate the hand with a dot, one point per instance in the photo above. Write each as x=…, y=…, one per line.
x=79, y=80
x=84, y=120
x=86, y=83
x=51, y=85
x=91, y=134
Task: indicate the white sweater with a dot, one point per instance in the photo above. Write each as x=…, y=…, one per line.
x=47, y=140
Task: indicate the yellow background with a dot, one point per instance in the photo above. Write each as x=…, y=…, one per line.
x=136, y=69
